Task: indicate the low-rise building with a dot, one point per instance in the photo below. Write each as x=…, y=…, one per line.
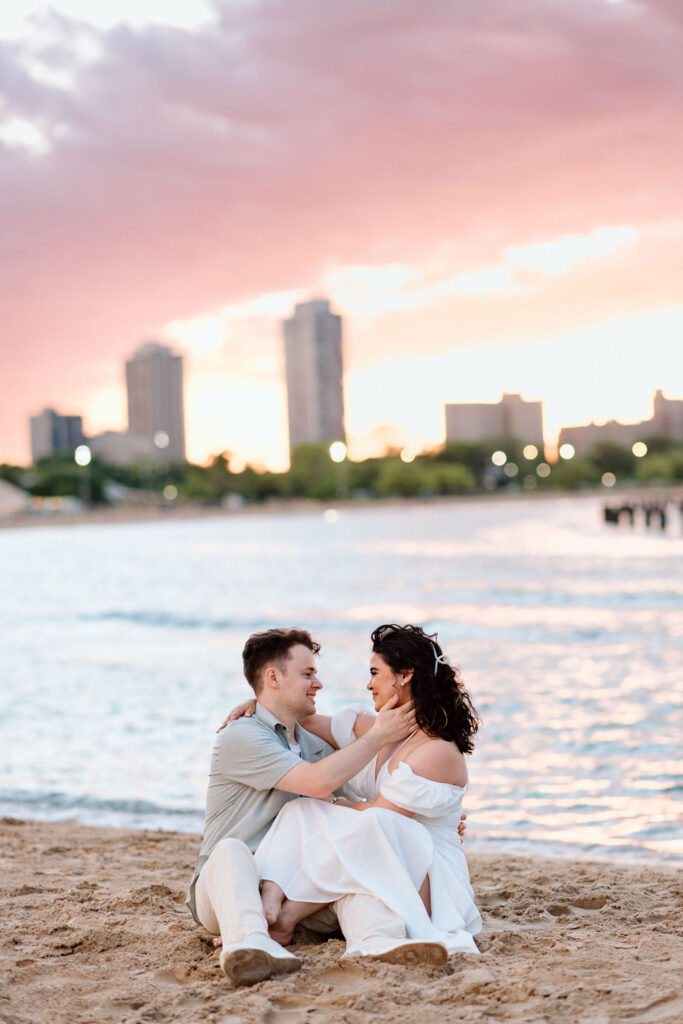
x=122, y=448
x=666, y=421
x=512, y=417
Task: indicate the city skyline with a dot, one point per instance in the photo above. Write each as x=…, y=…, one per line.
x=490, y=197
x=158, y=393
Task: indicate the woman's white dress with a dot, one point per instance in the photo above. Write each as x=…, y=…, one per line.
x=318, y=852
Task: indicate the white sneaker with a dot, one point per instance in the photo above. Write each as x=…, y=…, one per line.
x=406, y=952
x=256, y=958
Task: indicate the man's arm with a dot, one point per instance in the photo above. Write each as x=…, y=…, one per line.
x=322, y=778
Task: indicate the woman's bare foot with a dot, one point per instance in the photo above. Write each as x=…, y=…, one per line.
x=282, y=930
x=291, y=912
x=271, y=898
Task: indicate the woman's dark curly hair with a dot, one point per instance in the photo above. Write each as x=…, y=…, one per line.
x=443, y=707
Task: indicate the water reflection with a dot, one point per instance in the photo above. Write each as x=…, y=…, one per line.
x=123, y=651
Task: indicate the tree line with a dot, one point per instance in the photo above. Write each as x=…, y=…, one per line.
x=456, y=468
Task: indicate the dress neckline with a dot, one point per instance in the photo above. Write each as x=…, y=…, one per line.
x=377, y=772
x=432, y=782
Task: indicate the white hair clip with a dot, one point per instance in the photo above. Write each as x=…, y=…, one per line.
x=440, y=659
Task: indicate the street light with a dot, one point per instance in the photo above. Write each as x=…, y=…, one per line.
x=83, y=458
x=338, y=455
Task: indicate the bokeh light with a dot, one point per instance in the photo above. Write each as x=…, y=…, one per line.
x=608, y=479
x=499, y=458
x=170, y=492
x=511, y=469
x=408, y=455
x=567, y=451
x=337, y=451
x=530, y=451
x=161, y=439
x=82, y=455
x=543, y=469
x=639, y=449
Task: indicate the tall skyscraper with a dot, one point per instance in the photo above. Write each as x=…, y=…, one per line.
x=52, y=434
x=154, y=382
x=314, y=366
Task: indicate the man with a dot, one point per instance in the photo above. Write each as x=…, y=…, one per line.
x=258, y=764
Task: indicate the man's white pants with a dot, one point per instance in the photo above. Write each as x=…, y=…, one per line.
x=228, y=902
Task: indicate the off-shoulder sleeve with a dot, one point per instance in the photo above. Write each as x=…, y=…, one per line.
x=343, y=722
x=421, y=796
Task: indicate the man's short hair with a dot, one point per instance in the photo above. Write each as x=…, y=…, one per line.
x=272, y=648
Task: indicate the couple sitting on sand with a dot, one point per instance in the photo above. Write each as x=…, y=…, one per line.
x=394, y=878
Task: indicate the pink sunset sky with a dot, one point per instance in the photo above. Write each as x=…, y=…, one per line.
x=489, y=191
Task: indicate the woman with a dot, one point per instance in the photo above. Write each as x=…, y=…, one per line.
x=405, y=848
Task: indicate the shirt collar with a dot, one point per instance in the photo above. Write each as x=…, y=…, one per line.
x=268, y=718
x=311, y=744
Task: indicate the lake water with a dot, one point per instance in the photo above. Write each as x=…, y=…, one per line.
x=120, y=654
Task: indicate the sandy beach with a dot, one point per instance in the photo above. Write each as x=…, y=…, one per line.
x=95, y=929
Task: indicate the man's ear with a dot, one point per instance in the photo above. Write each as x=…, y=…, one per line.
x=270, y=678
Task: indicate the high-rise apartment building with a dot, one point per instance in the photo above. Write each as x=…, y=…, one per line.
x=52, y=434
x=314, y=367
x=512, y=417
x=154, y=383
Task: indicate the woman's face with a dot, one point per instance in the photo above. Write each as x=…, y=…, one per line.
x=384, y=682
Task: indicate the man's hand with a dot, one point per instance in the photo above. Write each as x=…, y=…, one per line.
x=246, y=709
x=462, y=827
x=393, y=723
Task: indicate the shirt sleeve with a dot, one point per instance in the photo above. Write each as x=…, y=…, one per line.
x=343, y=722
x=249, y=752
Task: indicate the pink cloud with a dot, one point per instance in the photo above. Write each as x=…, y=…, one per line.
x=191, y=169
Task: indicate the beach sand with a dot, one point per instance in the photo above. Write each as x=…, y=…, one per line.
x=94, y=928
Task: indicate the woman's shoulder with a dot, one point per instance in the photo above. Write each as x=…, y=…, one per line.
x=438, y=760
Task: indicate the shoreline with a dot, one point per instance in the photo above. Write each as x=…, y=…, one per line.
x=106, y=515
x=99, y=932
x=560, y=853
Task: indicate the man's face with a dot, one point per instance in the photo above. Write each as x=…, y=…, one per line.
x=299, y=682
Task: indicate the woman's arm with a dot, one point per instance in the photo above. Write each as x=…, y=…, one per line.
x=387, y=804
x=379, y=802
x=320, y=726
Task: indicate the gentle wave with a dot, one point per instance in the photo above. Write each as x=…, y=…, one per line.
x=539, y=632
x=57, y=801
